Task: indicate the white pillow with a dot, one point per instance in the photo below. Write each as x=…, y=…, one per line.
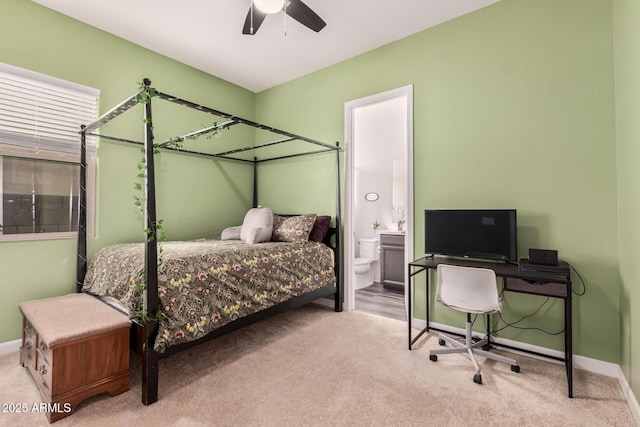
x=231, y=233
x=257, y=226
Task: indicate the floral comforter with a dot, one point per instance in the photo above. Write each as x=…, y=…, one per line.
x=206, y=284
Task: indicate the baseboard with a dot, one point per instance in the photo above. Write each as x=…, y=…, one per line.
x=580, y=362
x=629, y=396
x=10, y=347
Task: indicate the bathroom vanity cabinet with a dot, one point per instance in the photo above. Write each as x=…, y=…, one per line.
x=392, y=267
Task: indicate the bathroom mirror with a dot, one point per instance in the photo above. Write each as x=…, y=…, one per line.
x=371, y=197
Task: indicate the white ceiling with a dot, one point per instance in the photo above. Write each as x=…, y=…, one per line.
x=207, y=34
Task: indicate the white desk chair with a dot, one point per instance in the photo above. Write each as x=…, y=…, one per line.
x=471, y=290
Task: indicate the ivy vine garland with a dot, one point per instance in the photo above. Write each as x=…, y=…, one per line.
x=156, y=231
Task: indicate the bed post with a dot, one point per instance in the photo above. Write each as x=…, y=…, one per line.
x=81, y=265
x=255, y=182
x=339, y=284
x=149, y=356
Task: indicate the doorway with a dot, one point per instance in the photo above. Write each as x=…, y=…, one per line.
x=379, y=196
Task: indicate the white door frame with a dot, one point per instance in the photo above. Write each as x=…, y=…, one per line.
x=349, y=253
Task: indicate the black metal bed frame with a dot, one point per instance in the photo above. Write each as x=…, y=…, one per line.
x=143, y=335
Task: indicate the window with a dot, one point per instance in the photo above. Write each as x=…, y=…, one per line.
x=39, y=196
x=40, y=119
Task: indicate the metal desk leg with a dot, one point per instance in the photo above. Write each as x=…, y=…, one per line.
x=568, y=341
x=411, y=276
x=426, y=299
x=409, y=302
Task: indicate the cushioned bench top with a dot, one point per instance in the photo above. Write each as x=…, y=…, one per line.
x=70, y=317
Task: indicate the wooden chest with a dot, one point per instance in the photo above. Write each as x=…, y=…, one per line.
x=75, y=347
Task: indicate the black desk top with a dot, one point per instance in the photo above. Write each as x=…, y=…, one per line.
x=501, y=269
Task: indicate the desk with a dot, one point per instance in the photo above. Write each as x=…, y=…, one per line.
x=515, y=280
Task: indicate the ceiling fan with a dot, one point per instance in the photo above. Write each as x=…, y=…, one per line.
x=296, y=9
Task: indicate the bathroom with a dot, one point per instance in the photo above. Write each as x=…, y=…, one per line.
x=379, y=207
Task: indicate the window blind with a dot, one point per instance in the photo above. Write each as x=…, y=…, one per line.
x=40, y=119
x=42, y=112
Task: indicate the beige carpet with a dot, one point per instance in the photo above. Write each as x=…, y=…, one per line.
x=315, y=367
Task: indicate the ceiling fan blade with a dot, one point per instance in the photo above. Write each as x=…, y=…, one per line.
x=258, y=18
x=304, y=15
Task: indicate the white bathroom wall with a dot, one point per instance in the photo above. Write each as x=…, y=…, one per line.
x=379, y=137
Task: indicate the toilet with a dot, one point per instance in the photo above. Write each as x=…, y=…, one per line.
x=362, y=265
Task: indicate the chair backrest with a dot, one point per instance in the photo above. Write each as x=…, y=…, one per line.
x=468, y=289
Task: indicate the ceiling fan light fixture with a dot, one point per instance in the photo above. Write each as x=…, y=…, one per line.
x=269, y=6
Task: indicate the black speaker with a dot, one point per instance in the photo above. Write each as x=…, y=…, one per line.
x=543, y=256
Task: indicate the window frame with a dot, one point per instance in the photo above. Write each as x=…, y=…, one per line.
x=65, y=149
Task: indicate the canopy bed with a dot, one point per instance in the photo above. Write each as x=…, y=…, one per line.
x=194, y=291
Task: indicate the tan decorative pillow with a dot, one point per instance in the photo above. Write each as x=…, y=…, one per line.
x=292, y=229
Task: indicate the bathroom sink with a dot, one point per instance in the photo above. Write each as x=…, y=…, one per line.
x=390, y=232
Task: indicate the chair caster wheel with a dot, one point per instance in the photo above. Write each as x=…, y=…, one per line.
x=442, y=342
x=433, y=357
x=515, y=368
x=477, y=378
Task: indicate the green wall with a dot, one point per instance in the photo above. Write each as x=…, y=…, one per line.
x=195, y=199
x=626, y=15
x=513, y=107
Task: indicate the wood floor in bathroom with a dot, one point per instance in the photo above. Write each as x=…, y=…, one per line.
x=375, y=299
